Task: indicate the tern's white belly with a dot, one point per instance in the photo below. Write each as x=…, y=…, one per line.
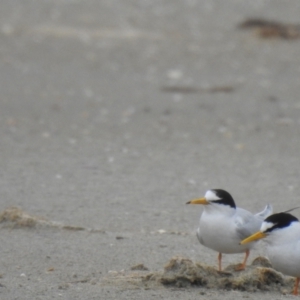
x=219, y=233
x=285, y=258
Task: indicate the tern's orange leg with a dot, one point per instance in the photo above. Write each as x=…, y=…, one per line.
x=295, y=291
x=243, y=265
x=220, y=261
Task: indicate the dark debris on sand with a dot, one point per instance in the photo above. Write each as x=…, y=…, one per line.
x=272, y=29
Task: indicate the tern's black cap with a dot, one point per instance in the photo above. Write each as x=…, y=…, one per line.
x=225, y=198
x=280, y=220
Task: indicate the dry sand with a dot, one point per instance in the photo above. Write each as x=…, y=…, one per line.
x=114, y=114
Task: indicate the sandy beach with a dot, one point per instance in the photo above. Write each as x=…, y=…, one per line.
x=116, y=113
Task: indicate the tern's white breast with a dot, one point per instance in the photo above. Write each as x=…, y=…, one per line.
x=217, y=230
x=284, y=249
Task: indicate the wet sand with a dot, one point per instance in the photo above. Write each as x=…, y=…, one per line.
x=114, y=114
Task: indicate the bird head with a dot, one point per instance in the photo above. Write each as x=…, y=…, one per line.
x=272, y=225
x=215, y=196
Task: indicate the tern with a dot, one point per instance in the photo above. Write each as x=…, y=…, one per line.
x=282, y=234
x=223, y=226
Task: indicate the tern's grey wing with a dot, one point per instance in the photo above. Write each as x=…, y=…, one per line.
x=246, y=223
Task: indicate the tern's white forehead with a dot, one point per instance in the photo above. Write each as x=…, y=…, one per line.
x=265, y=226
x=211, y=195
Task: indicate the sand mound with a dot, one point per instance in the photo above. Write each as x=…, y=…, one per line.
x=14, y=217
x=182, y=272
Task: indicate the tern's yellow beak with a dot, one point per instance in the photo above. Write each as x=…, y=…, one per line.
x=256, y=236
x=198, y=201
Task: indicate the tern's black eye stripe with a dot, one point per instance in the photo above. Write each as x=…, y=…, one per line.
x=272, y=228
x=225, y=202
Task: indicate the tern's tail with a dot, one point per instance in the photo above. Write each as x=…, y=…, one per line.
x=268, y=210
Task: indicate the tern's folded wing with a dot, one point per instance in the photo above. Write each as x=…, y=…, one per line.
x=246, y=223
